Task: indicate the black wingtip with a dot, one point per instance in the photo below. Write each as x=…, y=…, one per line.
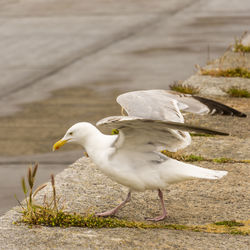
x=243, y=115
x=222, y=133
x=215, y=132
x=219, y=108
x=192, y=128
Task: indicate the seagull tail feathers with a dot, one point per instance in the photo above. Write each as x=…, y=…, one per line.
x=205, y=173
x=178, y=171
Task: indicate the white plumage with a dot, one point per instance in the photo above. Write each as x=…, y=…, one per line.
x=133, y=157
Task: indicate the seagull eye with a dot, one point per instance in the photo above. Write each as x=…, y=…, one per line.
x=71, y=133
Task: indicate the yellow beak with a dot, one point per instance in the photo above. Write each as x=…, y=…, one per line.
x=58, y=144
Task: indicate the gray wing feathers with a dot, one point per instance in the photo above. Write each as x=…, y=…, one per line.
x=151, y=104
x=120, y=122
x=166, y=105
x=143, y=134
x=154, y=120
x=154, y=134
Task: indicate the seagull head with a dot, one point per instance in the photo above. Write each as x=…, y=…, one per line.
x=76, y=134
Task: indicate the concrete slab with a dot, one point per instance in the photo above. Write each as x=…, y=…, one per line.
x=107, y=48
x=84, y=188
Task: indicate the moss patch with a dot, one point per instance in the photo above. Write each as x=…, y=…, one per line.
x=234, y=72
x=229, y=227
x=62, y=219
x=229, y=223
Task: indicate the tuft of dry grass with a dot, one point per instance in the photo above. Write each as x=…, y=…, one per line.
x=235, y=91
x=233, y=72
x=184, y=88
x=194, y=158
x=32, y=212
x=239, y=47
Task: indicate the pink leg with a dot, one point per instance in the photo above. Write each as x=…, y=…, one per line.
x=164, y=212
x=114, y=210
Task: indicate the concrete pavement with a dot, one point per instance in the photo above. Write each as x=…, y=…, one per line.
x=97, y=50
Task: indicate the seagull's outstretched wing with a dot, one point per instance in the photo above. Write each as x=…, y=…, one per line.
x=166, y=105
x=147, y=135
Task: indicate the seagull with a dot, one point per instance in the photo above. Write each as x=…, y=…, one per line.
x=153, y=123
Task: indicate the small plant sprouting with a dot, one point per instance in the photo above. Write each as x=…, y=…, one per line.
x=235, y=91
x=54, y=191
x=239, y=47
x=32, y=212
x=184, y=88
x=28, y=192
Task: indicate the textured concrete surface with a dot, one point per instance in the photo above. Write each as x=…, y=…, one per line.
x=210, y=85
x=85, y=189
x=120, y=238
x=97, y=50
x=47, y=45
x=102, y=51
x=246, y=39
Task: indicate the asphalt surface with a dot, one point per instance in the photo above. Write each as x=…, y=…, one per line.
x=98, y=49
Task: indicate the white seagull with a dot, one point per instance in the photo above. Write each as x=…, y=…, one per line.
x=133, y=157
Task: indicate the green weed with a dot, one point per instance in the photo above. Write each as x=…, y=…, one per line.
x=194, y=158
x=233, y=72
x=229, y=223
x=32, y=212
x=239, y=47
x=186, y=89
x=235, y=91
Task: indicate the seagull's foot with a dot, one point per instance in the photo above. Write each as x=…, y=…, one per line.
x=107, y=213
x=114, y=210
x=164, y=212
x=158, y=218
